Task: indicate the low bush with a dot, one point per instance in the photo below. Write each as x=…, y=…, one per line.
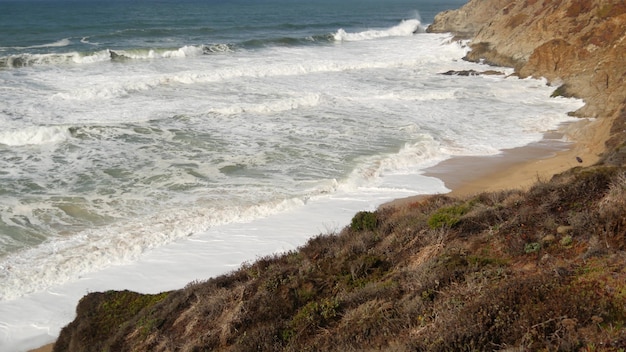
x=447, y=216
x=364, y=220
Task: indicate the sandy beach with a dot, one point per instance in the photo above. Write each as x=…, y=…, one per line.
x=46, y=348
x=517, y=168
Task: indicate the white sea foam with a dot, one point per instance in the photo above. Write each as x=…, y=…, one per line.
x=85, y=40
x=227, y=72
x=410, y=159
x=143, y=54
x=270, y=107
x=96, y=57
x=57, y=44
x=31, y=59
x=405, y=28
x=67, y=259
x=34, y=135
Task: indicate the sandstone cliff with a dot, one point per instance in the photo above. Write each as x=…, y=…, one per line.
x=579, y=44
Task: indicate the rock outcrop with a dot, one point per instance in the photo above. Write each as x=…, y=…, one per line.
x=579, y=44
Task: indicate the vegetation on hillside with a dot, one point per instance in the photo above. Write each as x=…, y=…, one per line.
x=538, y=270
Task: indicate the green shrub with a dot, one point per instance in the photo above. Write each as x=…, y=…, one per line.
x=447, y=216
x=314, y=315
x=364, y=220
x=532, y=247
x=567, y=241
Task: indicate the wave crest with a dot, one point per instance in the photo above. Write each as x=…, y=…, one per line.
x=403, y=29
x=29, y=59
x=34, y=136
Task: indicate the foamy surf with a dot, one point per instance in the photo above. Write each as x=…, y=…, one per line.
x=405, y=28
x=27, y=59
x=67, y=259
x=108, y=55
x=34, y=136
x=57, y=44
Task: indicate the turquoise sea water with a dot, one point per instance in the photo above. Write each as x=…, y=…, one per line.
x=130, y=126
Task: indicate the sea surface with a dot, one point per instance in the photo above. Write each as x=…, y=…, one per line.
x=148, y=143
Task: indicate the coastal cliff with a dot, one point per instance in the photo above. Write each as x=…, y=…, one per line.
x=542, y=269
x=577, y=45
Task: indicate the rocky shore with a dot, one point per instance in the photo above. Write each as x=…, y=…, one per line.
x=578, y=45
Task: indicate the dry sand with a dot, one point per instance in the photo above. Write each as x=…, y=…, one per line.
x=517, y=168
x=46, y=348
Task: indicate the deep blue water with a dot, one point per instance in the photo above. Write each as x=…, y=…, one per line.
x=49, y=26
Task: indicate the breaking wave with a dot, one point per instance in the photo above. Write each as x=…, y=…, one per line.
x=30, y=59
x=403, y=29
x=57, y=44
x=34, y=136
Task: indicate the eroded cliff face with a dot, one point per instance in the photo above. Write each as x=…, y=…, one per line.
x=580, y=44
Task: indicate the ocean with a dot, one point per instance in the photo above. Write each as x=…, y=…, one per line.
x=146, y=144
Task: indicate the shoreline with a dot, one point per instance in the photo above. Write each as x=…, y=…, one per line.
x=515, y=168
x=44, y=348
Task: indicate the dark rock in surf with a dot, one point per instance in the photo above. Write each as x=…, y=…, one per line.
x=117, y=57
x=472, y=73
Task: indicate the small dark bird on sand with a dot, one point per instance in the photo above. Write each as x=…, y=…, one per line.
x=579, y=159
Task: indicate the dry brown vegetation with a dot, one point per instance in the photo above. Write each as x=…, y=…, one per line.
x=537, y=270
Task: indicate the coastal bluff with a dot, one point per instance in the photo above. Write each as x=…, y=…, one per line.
x=577, y=45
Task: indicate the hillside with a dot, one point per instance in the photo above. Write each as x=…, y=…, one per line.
x=543, y=269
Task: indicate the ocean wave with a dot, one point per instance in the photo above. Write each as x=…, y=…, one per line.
x=55, y=262
x=182, y=52
x=32, y=59
x=287, y=41
x=409, y=159
x=403, y=29
x=59, y=43
x=35, y=136
x=26, y=59
x=270, y=107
